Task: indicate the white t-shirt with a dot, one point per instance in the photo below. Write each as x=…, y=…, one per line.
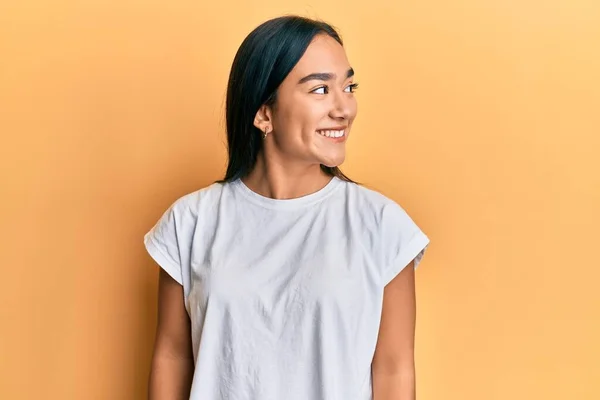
x=284, y=296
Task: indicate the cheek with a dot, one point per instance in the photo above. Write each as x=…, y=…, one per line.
x=315, y=115
x=305, y=118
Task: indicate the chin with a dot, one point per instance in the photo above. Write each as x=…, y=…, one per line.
x=333, y=162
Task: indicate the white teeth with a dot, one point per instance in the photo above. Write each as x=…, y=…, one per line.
x=332, y=134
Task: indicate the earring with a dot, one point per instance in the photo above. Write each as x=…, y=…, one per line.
x=265, y=133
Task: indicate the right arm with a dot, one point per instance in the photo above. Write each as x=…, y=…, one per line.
x=172, y=367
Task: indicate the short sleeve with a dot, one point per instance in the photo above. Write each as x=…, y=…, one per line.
x=161, y=243
x=403, y=241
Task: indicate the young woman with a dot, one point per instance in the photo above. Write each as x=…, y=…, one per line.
x=286, y=280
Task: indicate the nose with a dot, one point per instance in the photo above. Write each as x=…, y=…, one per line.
x=342, y=106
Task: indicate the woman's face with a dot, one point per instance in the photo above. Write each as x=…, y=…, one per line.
x=315, y=106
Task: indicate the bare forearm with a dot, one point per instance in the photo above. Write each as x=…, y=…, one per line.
x=394, y=386
x=170, y=378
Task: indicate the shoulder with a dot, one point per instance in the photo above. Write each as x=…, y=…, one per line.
x=371, y=196
x=399, y=240
x=192, y=203
x=374, y=204
x=180, y=219
x=397, y=237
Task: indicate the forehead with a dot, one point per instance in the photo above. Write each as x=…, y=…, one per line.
x=324, y=54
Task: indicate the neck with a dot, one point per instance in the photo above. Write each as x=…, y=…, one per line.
x=279, y=180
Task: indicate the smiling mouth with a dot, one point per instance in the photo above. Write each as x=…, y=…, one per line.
x=332, y=133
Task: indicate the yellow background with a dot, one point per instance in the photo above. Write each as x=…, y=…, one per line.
x=482, y=118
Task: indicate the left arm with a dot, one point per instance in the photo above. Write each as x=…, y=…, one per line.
x=393, y=365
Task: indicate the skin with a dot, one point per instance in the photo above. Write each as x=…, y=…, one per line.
x=393, y=365
x=289, y=167
x=172, y=366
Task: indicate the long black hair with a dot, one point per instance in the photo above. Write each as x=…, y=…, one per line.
x=264, y=59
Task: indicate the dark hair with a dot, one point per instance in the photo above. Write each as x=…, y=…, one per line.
x=264, y=59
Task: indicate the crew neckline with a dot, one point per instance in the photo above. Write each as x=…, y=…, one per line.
x=287, y=204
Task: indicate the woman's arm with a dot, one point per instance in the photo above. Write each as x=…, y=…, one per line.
x=172, y=366
x=393, y=365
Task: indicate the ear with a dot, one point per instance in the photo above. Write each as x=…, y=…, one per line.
x=263, y=118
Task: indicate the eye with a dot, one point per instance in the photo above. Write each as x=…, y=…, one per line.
x=320, y=90
x=352, y=88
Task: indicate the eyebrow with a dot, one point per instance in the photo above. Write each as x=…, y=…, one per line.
x=323, y=76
